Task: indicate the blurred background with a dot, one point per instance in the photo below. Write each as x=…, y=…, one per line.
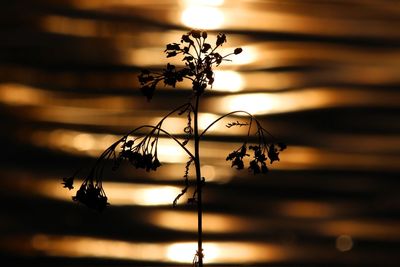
x=323, y=76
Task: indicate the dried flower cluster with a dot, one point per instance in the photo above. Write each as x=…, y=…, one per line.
x=142, y=155
x=90, y=193
x=140, y=151
x=199, y=58
x=261, y=152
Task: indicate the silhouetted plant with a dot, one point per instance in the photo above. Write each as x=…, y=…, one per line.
x=199, y=59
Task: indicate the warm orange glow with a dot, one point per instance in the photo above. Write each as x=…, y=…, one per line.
x=209, y=172
x=173, y=125
x=267, y=103
x=202, y=17
x=378, y=230
x=71, y=26
x=74, y=246
x=117, y=193
x=203, y=2
x=228, y=81
x=205, y=119
x=84, y=142
x=214, y=252
x=148, y=57
x=169, y=152
x=24, y=95
x=226, y=252
x=249, y=55
x=202, y=14
x=213, y=223
x=306, y=209
x=184, y=252
x=74, y=141
x=324, y=97
x=93, y=144
x=18, y=94
x=140, y=194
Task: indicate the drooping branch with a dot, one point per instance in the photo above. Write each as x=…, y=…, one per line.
x=141, y=155
x=262, y=151
x=168, y=134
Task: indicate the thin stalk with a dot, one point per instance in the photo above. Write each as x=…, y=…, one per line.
x=199, y=184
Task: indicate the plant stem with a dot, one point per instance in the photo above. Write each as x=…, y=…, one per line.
x=199, y=184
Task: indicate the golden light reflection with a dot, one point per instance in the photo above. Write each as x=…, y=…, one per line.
x=75, y=246
x=213, y=223
x=217, y=174
x=168, y=151
x=228, y=81
x=143, y=195
x=72, y=26
x=25, y=95
x=173, y=125
x=313, y=98
x=84, y=142
x=214, y=252
x=208, y=171
x=267, y=103
x=249, y=55
x=183, y=252
x=91, y=144
x=204, y=2
x=296, y=157
x=372, y=229
x=202, y=14
x=147, y=57
x=205, y=119
x=119, y=194
x=261, y=103
x=306, y=209
x=74, y=142
x=18, y=94
x=227, y=252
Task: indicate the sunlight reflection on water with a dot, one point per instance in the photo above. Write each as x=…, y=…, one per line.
x=213, y=222
x=201, y=14
x=93, y=144
x=117, y=193
x=296, y=157
x=204, y=17
x=267, y=103
x=215, y=252
x=69, y=88
x=305, y=99
x=228, y=81
x=74, y=246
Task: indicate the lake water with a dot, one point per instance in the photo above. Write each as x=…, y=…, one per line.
x=322, y=76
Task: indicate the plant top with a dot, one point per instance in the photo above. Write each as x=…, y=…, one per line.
x=139, y=147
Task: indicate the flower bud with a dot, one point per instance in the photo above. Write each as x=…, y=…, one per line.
x=237, y=51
